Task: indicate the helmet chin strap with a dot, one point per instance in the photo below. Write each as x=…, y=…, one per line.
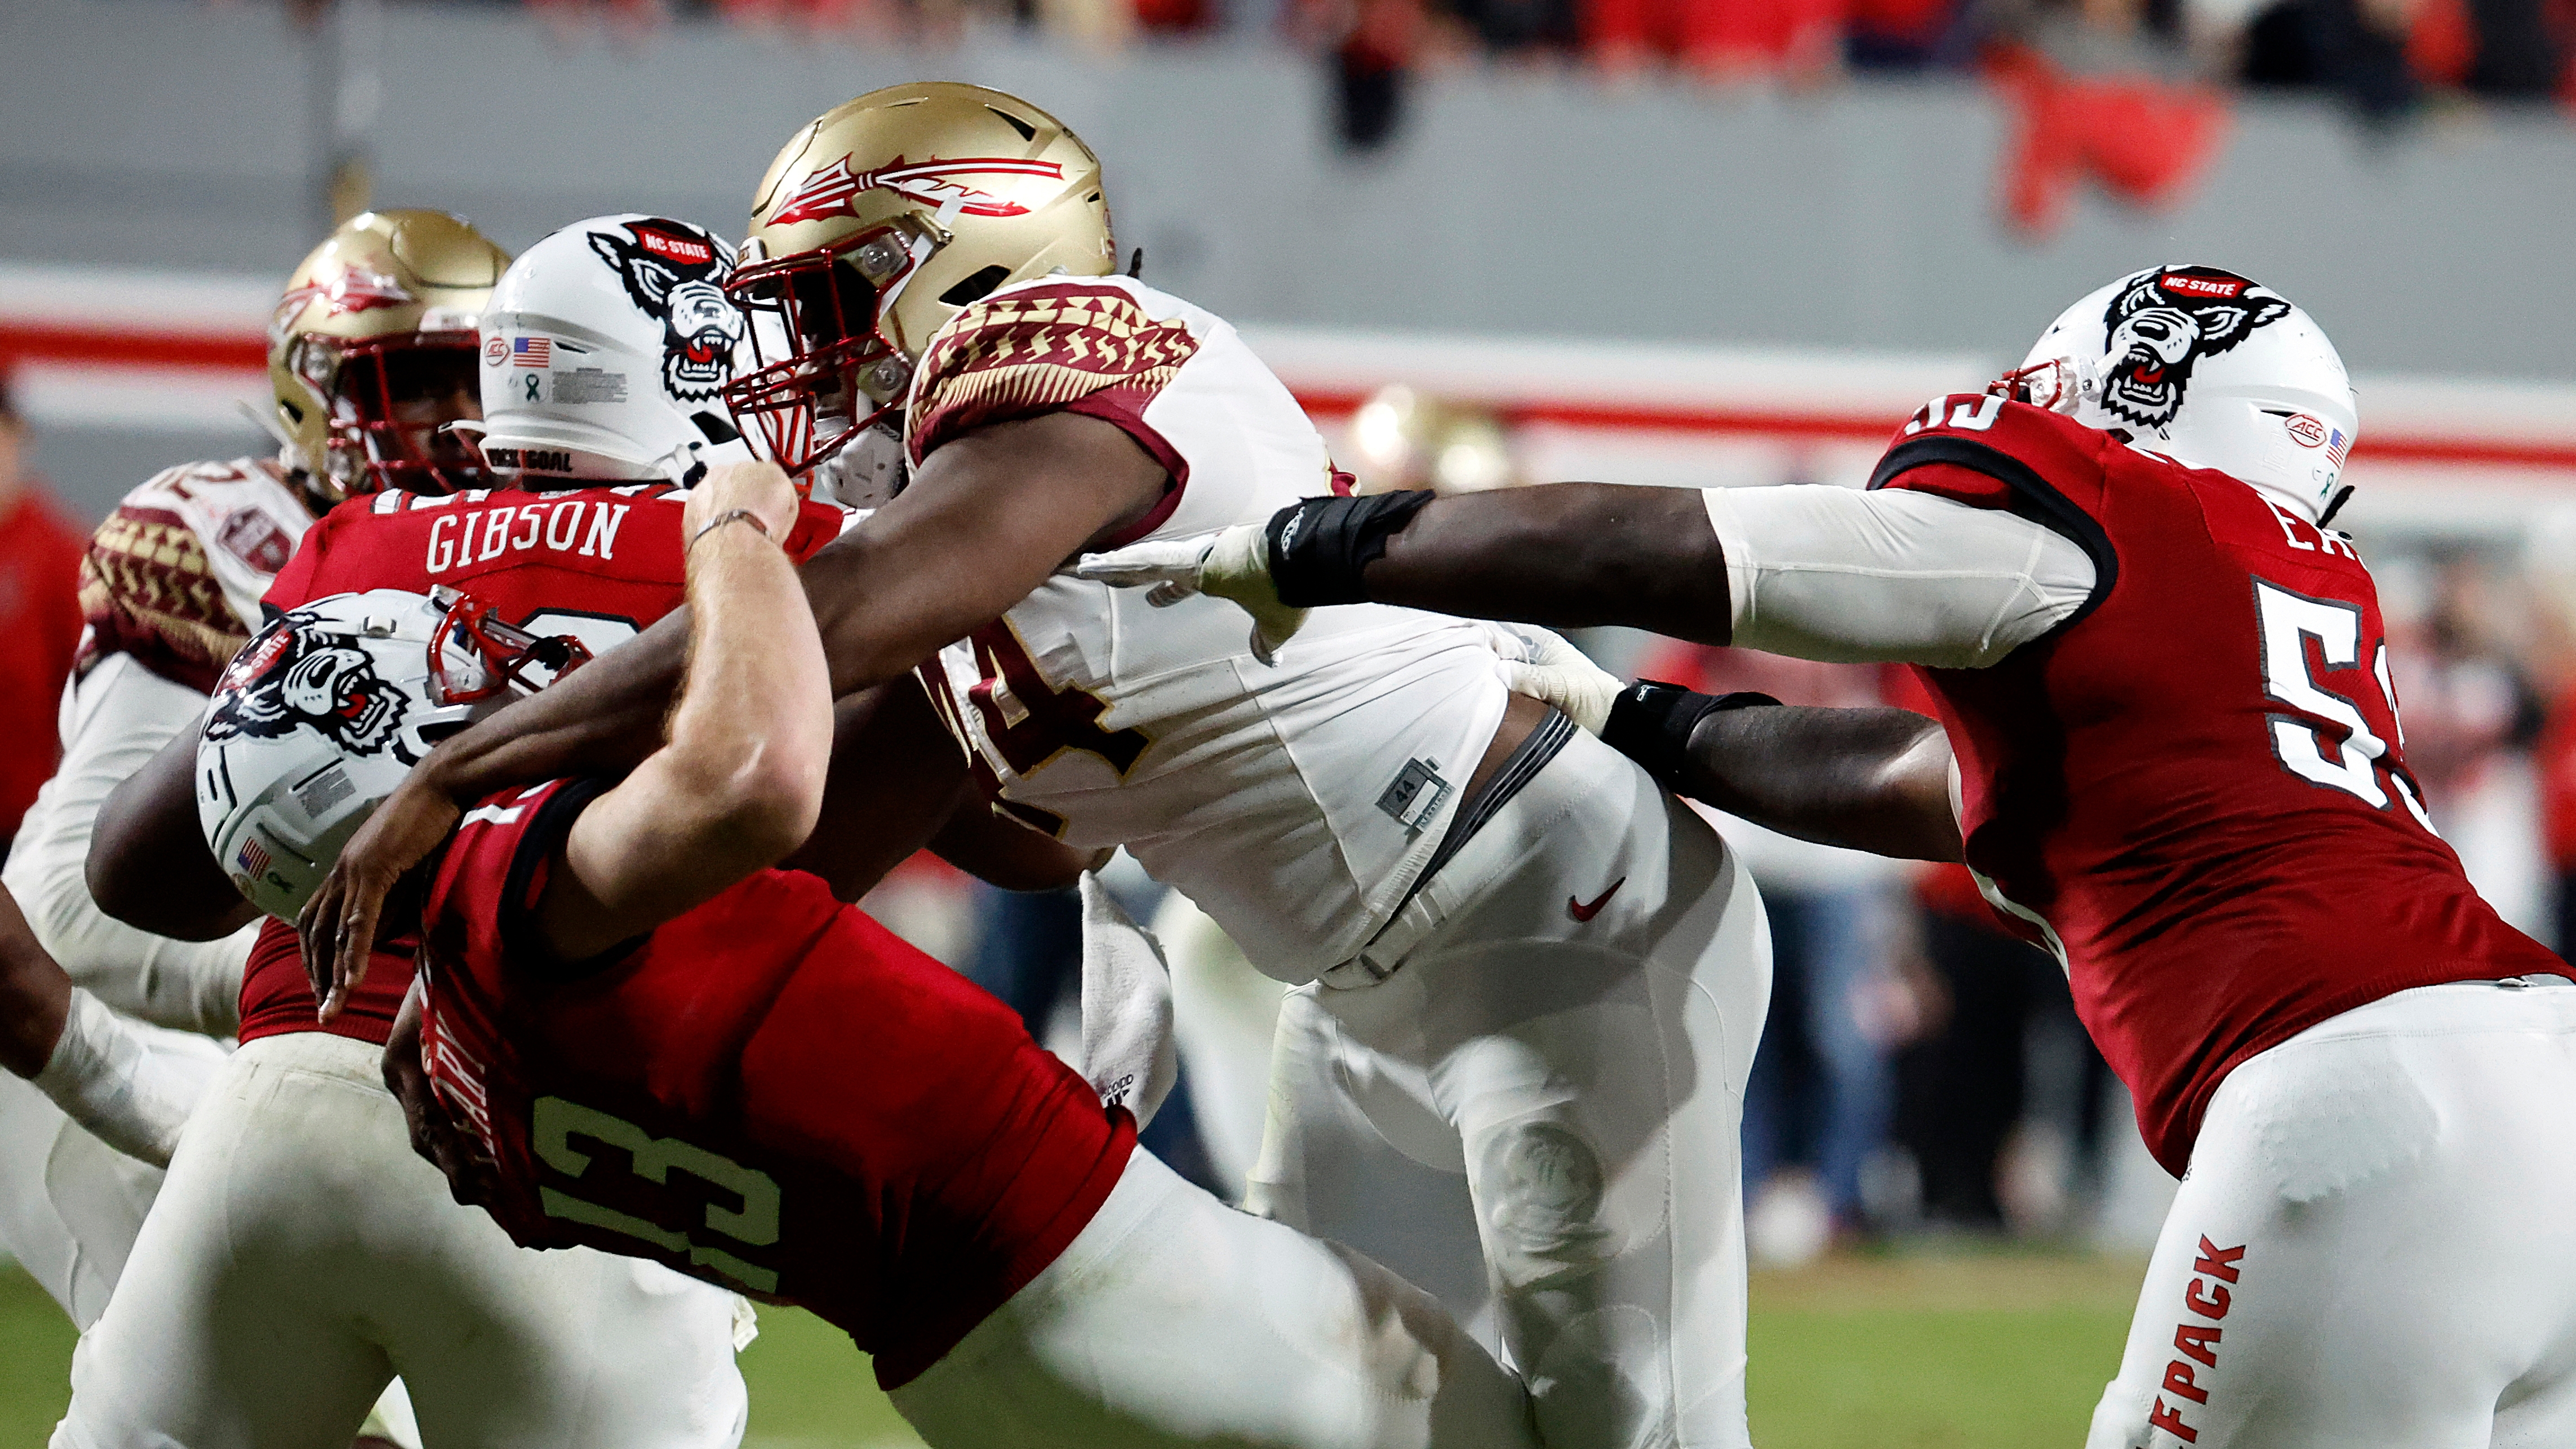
x=2342, y=496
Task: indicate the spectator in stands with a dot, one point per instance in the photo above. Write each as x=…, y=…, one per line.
x=40, y=620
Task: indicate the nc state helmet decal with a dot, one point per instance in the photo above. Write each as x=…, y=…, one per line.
x=828, y=192
x=2159, y=327
x=290, y=678
x=676, y=273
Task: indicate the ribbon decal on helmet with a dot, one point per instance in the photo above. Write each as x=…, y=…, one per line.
x=828, y=192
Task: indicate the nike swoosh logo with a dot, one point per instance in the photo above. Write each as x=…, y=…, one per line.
x=1582, y=912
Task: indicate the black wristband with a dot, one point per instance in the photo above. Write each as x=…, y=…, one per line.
x=1318, y=547
x=1651, y=723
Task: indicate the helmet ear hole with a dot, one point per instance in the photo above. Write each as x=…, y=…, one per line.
x=717, y=430
x=976, y=287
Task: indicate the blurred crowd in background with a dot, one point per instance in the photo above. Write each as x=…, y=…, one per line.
x=2132, y=93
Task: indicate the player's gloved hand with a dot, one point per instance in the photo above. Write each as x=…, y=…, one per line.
x=1541, y=664
x=1232, y=564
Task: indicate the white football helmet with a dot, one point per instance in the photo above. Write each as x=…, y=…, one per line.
x=606, y=350
x=325, y=711
x=2209, y=369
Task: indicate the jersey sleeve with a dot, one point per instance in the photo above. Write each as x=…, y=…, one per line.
x=1820, y=572
x=496, y=870
x=1988, y=452
x=147, y=589
x=1075, y=346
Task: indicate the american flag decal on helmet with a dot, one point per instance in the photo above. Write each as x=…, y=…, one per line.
x=828, y=192
x=253, y=858
x=2338, y=445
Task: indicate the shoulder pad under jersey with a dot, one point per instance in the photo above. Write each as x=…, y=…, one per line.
x=174, y=575
x=1038, y=348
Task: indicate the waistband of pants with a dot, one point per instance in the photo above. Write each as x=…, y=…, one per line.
x=2472, y=1004
x=319, y=1052
x=1493, y=835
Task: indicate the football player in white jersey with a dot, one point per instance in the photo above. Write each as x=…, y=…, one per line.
x=1528, y=967
x=169, y=589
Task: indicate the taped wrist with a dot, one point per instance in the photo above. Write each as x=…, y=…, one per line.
x=1651, y=723
x=1318, y=547
x=103, y=1078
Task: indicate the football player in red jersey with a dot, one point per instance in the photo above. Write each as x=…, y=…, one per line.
x=2179, y=767
x=653, y=1043
x=295, y=1210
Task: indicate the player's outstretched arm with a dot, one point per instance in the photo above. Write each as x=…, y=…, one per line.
x=1866, y=779
x=1814, y=571
x=739, y=780
x=1568, y=555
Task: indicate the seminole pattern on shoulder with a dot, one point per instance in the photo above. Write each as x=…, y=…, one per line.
x=1038, y=350
x=148, y=589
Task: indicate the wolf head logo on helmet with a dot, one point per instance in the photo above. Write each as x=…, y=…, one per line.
x=291, y=678
x=677, y=274
x=2163, y=323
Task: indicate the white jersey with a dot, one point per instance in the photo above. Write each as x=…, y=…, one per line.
x=1296, y=803
x=170, y=588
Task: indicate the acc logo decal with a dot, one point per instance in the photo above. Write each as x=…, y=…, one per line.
x=2162, y=323
x=496, y=351
x=287, y=679
x=828, y=192
x=2304, y=430
x=675, y=274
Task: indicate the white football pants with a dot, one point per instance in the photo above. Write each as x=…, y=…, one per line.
x=1541, y=1103
x=2373, y=1248
x=1173, y=1320
x=70, y=1205
x=300, y=1255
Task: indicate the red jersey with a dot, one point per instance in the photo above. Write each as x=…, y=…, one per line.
x=2193, y=791
x=771, y=1092
x=596, y=563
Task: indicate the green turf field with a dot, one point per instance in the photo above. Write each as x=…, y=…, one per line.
x=1996, y=1351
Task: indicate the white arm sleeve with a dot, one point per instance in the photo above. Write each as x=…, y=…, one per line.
x=1820, y=572
x=106, y=1075
x=114, y=721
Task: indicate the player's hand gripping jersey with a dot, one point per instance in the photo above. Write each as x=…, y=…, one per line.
x=771, y=1092
x=598, y=564
x=1101, y=719
x=2194, y=790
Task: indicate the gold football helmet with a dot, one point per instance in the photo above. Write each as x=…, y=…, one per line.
x=372, y=353
x=875, y=225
